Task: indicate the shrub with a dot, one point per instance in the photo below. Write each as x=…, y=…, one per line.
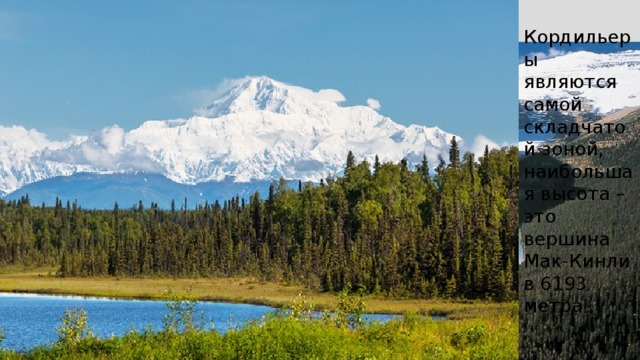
x=349, y=310
x=74, y=327
x=182, y=312
x=470, y=336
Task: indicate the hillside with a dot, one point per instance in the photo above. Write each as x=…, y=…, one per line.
x=607, y=325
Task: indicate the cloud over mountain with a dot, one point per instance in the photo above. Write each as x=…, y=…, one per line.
x=255, y=128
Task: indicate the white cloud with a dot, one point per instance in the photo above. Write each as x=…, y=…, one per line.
x=105, y=150
x=374, y=104
x=224, y=86
x=31, y=140
x=330, y=95
x=198, y=99
x=112, y=139
x=479, y=144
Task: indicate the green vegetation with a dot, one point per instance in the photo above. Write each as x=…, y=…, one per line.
x=234, y=290
x=291, y=334
x=392, y=231
x=182, y=313
x=74, y=327
x=404, y=240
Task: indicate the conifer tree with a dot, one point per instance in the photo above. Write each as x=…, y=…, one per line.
x=454, y=153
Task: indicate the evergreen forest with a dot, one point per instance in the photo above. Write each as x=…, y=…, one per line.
x=384, y=228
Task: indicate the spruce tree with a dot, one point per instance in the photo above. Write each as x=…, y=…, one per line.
x=454, y=153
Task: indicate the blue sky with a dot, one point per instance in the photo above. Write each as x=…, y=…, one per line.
x=75, y=66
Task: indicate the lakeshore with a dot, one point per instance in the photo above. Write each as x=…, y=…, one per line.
x=233, y=290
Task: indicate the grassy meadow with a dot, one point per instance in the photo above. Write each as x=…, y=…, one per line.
x=235, y=290
x=275, y=337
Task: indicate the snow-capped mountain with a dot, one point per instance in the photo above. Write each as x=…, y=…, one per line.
x=258, y=129
x=624, y=66
x=25, y=158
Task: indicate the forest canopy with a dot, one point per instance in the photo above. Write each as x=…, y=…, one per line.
x=384, y=228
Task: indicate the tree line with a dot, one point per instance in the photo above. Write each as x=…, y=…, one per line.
x=386, y=228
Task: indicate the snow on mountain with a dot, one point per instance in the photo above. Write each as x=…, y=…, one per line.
x=263, y=93
x=623, y=66
x=259, y=129
x=24, y=158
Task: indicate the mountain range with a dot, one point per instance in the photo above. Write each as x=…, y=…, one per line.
x=623, y=66
x=257, y=130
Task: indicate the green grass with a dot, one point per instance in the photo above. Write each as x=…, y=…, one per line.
x=235, y=290
x=284, y=337
x=293, y=334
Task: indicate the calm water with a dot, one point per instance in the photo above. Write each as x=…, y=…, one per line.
x=31, y=320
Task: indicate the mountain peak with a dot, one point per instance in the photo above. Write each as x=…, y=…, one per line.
x=257, y=129
x=261, y=93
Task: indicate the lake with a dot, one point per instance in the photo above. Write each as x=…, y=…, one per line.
x=30, y=320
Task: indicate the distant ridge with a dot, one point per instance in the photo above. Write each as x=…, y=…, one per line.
x=258, y=129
